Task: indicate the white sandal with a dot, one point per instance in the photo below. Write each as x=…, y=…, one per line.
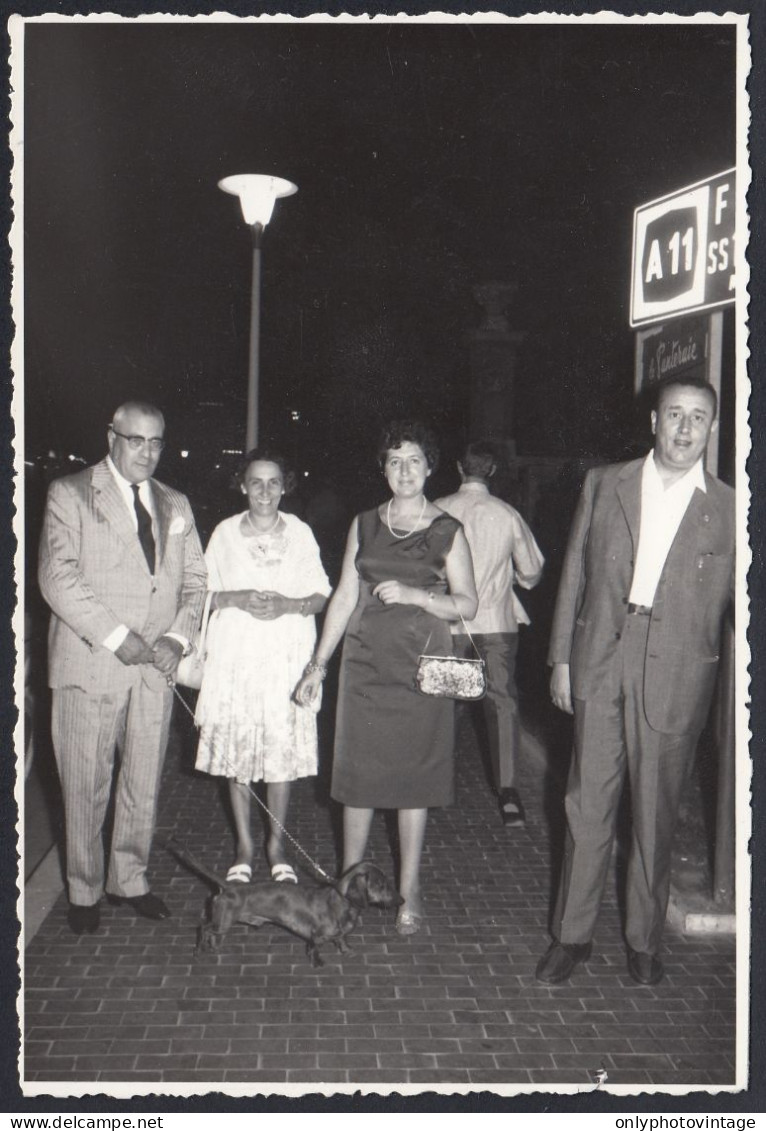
x=283, y=874
x=239, y=874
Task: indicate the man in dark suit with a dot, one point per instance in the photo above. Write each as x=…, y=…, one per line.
x=121, y=567
x=647, y=578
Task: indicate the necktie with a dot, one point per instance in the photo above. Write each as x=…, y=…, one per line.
x=145, y=536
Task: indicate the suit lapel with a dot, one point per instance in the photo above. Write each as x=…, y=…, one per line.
x=629, y=494
x=698, y=521
x=110, y=503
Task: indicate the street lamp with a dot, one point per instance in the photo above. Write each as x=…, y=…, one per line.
x=257, y=194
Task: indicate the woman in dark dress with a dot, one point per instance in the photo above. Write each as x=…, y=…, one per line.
x=406, y=573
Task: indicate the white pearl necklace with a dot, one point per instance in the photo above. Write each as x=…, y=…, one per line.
x=417, y=524
x=262, y=533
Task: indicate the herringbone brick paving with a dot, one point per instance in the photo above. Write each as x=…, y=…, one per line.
x=456, y=1004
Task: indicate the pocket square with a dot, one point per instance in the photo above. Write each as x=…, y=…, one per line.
x=177, y=525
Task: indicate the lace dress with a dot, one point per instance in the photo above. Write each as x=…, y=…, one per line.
x=250, y=727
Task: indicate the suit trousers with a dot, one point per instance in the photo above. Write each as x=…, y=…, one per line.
x=87, y=732
x=612, y=737
x=501, y=710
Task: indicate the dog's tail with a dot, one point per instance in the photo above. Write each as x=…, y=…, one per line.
x=182, y=853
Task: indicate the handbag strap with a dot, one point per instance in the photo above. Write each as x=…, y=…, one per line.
x=205, y=618
x=465, y=627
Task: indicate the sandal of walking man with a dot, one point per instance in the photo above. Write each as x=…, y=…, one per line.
x=504, y=552
x=121, y=567
x=647, y=578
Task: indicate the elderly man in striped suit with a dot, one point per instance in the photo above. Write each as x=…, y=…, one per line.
x=121, y=567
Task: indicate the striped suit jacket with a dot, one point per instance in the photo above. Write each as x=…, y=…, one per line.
x=94, y=576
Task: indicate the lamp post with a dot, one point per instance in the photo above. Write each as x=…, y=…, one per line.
x=257, y=194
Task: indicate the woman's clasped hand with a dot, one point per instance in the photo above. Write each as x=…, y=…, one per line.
x=262, y=604
x=394, y=593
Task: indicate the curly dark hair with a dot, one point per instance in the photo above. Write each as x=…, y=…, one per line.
x=400, y=432
x=267, y=455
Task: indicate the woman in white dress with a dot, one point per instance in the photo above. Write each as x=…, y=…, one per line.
x=268, y=584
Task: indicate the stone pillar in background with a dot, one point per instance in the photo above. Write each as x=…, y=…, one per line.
x=493, y=349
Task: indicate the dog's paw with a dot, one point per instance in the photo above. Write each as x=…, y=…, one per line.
x=313, y=952
x=207, y=940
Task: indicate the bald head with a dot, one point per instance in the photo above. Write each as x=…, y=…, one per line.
x=145, y=408
x=135, y=438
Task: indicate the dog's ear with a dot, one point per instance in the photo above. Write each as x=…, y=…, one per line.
x=350, y=875
x=379, y=890
x=356, y=892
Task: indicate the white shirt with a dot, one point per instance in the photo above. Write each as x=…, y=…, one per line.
x=119, y=634
x=126, y=490
x=504, y=551
x=662, y=510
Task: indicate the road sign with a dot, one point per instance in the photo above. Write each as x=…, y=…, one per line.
x=683, y=251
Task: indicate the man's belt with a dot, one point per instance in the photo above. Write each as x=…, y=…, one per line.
x=639, y=610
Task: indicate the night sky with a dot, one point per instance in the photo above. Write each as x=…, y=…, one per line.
x=428, y=159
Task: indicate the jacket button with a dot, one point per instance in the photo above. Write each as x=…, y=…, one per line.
x=154, y=589
x=617, y=635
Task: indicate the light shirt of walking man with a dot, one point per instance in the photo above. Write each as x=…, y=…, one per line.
x=504, y=553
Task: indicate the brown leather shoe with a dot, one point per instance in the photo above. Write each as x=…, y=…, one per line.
x=148, y=905
x=83, y=918
x=560, y=960
x=646, y=969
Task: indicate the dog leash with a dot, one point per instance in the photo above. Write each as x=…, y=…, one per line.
x=319, y=870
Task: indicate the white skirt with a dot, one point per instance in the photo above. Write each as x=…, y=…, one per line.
x=251, y=728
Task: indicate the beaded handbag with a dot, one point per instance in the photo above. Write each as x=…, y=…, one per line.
x=452, y=677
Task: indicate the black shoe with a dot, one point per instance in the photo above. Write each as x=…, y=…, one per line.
x=646, y=969
x=148, y=905
x=559, y=961
x=84, y=919
x=511, y=809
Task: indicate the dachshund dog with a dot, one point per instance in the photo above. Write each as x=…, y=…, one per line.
x=318, y=914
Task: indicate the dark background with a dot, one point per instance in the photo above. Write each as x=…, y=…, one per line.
x=428, y=159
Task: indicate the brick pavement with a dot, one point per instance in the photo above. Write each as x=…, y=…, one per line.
x=456, y=1004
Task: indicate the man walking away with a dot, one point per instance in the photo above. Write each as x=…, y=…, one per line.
x=504, y=552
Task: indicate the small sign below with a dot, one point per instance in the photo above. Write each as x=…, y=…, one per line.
x=683, y=251
x=678, y=348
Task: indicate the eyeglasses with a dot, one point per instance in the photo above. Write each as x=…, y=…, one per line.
x=136, y=442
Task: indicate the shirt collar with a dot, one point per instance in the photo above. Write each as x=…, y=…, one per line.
x=694, y=477
x=125, y=485
x=480, y=488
